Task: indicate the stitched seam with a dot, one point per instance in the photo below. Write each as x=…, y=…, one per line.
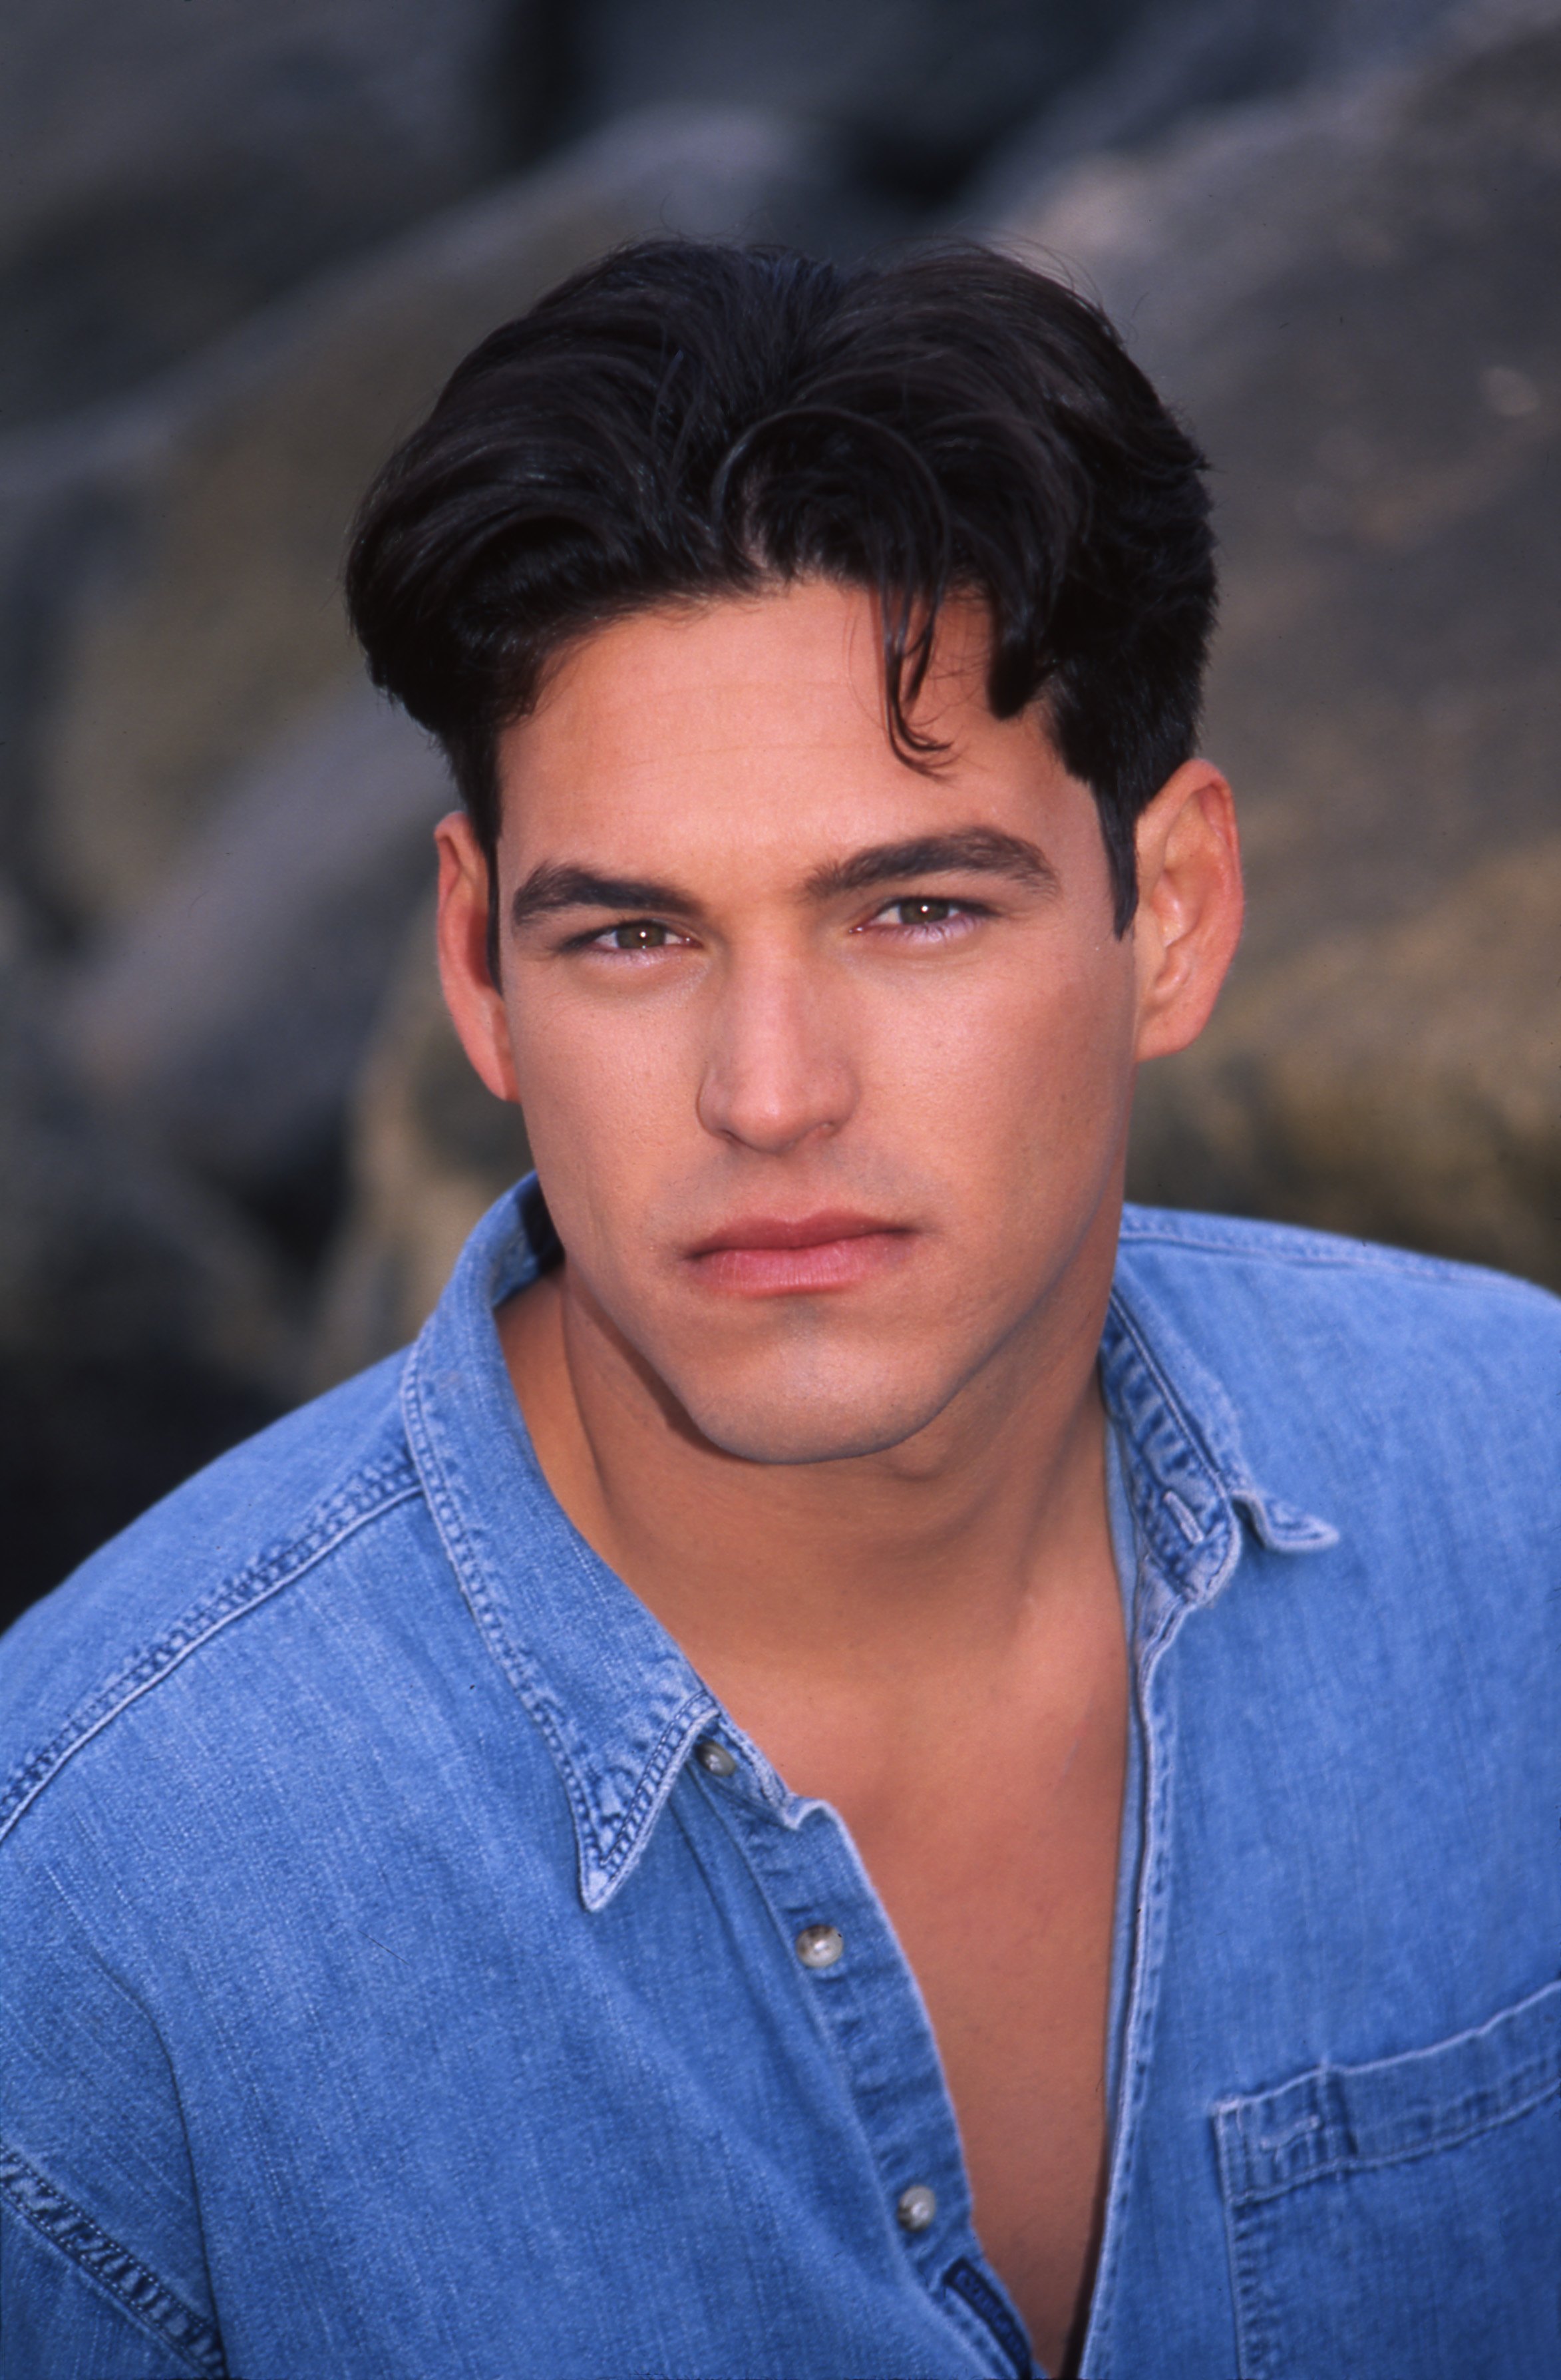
x=1203, y=1454
x=1134, y=1329
x=1252, y=2313
x=469, y=1572
x=672, y=1739
x=1151, y=1917
x=748, y=1829
x=72, y=2233
x=1359, y=1255
x=965, y=2281
x=377, y=1491
x=668, y=1746
x=1471, y=2128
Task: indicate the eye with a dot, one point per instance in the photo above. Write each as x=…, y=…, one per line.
x=924, y=916
x=920, y=909
x=637, y=934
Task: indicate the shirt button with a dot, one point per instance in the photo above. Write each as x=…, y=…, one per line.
x=714, y=1758
x=915, y=2208
x=819, y=1946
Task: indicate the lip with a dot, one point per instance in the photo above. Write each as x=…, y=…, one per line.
x=791, y=1231
x=782, y=1255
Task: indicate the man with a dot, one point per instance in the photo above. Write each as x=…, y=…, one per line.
x=852, y=1768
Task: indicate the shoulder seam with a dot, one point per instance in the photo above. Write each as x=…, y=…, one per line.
x=1294, y=1245
x=374, y=1489
x=72, y=2233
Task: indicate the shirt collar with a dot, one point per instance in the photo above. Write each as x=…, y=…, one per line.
x=617, y=1703
x=1188, y=1479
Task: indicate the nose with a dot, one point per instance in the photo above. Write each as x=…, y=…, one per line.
x=776, y=1072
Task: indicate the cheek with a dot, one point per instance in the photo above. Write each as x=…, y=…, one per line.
x=604, y=1090
x=1083, y=1054
x=1028, y=1064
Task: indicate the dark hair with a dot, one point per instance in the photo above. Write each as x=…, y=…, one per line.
x=685, y=420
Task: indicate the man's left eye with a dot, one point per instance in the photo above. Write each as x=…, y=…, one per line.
x=637, y=934
x=919, y=910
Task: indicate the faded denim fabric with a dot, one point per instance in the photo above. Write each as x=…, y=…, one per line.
x=392, y=1993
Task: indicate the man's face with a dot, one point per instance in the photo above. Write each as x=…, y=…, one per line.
x=825, y=1063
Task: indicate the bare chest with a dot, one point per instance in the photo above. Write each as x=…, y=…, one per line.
x=1004, y=1904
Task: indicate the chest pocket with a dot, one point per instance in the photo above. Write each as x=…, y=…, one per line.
x=1403, y=2218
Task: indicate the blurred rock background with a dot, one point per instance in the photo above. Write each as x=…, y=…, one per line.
x=239, y=250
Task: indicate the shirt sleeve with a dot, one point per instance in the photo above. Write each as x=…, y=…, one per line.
x=103, y=2268
x=59, y=2324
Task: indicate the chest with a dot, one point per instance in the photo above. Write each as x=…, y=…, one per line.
x=1004, y=1905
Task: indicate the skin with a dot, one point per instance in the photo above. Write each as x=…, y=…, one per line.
x=859, y=1479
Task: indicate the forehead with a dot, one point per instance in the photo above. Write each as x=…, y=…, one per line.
x=759, y=721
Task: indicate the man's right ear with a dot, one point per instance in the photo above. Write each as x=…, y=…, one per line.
x=1189, y=917
x=476, y=1004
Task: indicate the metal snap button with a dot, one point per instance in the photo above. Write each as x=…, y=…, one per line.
x=915, y=2208
x=714, y=1758
x=819, y=1946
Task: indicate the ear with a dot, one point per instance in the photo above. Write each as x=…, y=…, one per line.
x=1190, y=904
x=475, y=1006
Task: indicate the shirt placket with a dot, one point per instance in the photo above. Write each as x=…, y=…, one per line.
x=1147, y=1953
x=859, y=1990
x=1178, y=1564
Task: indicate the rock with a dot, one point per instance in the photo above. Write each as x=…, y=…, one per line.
x=1351, y=294
x=231, y=1013
x=1401, y=1083
x=141, y=1328
x=1176, y=58
x=168, y=574
x=168, y=167
x=431, y=1149
x=914, y=90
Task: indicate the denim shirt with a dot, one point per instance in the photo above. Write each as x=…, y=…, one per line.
x=402, y=1977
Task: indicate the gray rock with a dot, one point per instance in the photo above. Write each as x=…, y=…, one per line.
x=141, y=1328
x=915, y=90
x=168, y=598
x=431, y=1149
x=1397, y=1082
x=1353, y=297
x=169, y=167
x=230, y=1013
x=1176, y=58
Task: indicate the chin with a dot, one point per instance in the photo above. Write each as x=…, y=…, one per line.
x=784, y=1418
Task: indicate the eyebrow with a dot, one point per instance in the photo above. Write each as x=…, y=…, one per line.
x=555, y=885
x=975, y=850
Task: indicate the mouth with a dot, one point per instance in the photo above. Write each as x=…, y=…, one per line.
x=774, y=1255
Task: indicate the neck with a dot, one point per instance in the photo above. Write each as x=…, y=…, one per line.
x=936, y=1556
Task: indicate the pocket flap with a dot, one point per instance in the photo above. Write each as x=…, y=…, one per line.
x=1339, y=2119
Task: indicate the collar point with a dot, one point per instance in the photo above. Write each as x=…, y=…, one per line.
x=1284, y=1528
x=598, y=1886
x=606, y=1863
